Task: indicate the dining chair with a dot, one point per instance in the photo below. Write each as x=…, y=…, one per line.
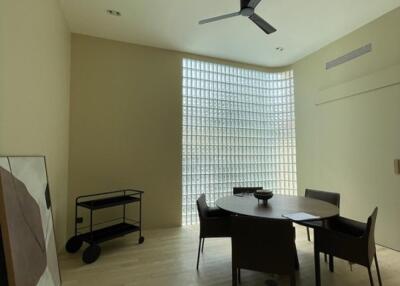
x=349, y=240
x=214, y=222
x=245, y=190
x=264, y=245
x=332, y=198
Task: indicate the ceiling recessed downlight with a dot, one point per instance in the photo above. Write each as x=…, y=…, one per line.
x=114, y=12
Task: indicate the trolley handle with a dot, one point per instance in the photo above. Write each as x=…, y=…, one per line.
x=126, y=192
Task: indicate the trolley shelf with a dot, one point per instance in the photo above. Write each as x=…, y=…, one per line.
x=109, y=233
x=108, y=202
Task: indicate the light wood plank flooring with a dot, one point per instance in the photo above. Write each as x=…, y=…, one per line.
x=168, y=257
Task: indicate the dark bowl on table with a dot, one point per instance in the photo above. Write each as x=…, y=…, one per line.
x=263, y=195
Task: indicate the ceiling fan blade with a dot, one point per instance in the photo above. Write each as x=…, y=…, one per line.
x=253, y=3
x=205, y=21
x=260, y=22
x=244, y=4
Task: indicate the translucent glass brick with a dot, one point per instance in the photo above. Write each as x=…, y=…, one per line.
x=238, y=129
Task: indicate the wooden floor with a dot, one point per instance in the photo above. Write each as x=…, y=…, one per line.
x=168, y=257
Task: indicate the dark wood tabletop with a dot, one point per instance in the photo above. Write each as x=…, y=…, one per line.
x=277, y=206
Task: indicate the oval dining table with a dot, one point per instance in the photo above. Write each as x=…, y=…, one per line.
x=278, y=207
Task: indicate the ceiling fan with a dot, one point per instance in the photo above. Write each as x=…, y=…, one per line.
x=246, y=9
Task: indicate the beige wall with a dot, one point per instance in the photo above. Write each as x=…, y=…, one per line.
x=349, y=145
x=126, y=124
x=34, y=91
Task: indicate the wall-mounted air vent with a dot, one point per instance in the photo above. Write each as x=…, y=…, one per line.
x=349, y=56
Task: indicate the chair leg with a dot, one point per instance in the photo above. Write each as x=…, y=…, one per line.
x=296, y=257
x=293, y=280
x=296, y=260
x=308, y=234
x=377, y=270
x=331, y=264
x=234, y=275
x=317, y=268
x=202, y=247
x=198, y=254
x=371, y=280
x=239, y=275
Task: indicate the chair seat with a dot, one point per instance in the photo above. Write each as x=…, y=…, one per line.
x=312, y=224
x=347, y=226
x=339, y=224
x=216, y=212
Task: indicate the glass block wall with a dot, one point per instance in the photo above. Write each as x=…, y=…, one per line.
x=238, y=130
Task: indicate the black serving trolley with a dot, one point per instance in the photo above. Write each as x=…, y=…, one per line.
x=107, y=230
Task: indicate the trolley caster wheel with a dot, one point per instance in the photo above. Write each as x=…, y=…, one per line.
x=73, y=244
x=91, y=254
x=141, y=240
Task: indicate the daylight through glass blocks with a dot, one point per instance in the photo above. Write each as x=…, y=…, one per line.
x=238, y=131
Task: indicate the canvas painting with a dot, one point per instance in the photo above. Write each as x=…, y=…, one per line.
x=27, y=223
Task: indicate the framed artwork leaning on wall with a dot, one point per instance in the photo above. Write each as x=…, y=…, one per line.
x=26, y=221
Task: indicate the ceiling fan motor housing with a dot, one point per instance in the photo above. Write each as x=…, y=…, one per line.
x=247, y=12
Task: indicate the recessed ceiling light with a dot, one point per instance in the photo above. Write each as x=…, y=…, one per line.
x=114, y=12
x=279, y=49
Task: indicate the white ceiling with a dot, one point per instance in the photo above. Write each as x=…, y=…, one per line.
x=303, y=26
